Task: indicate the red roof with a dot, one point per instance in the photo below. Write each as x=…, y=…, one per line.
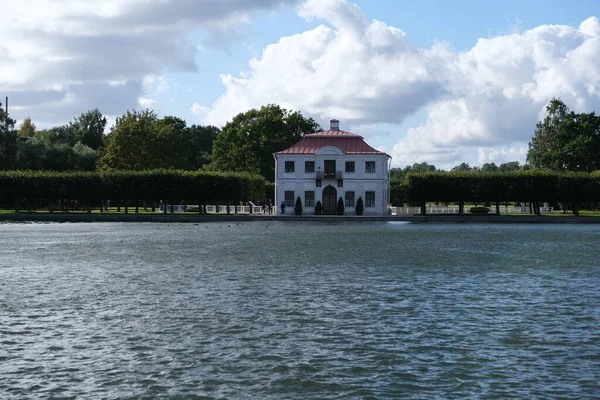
x=348, y=143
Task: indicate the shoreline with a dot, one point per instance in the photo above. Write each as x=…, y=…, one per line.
x=166, y=218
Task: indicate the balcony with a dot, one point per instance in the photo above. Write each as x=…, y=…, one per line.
x=330, y=175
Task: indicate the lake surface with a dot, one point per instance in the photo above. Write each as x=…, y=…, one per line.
x=273, y=310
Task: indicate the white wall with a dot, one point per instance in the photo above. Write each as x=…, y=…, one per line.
x=359, y=181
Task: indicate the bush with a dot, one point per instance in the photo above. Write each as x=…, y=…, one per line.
x=318, y=208
x=359, y=206
x=479, y=210
x=298, y=206
x=192, y=209
x=340, y=206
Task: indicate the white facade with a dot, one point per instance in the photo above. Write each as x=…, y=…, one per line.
x=326, y=166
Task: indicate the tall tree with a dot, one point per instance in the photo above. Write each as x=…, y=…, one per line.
x=248, y=142
x=27, y=128
x=204, y=137
x=462, y=167
x=89, y=129
x=398, y=174
x=8, y=140
x=565, y=141
x=140, y=140
x=510, y=166
x=489, y=167
x=132, y=143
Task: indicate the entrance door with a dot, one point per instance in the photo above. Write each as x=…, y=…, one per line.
x=329, y=200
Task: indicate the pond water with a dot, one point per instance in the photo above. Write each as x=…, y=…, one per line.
x=299, y=310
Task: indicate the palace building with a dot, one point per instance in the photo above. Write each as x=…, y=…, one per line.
x=329, y=165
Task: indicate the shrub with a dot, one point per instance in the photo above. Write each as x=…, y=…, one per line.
x=192, y=209
x=359, y=206
x=340, y=206
x=298, y=206
x=318, y=208
x=479, y=210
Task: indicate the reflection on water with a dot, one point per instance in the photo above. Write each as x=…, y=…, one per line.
x=299, y=310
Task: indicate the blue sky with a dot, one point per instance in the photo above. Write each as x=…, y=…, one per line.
x=420, y=84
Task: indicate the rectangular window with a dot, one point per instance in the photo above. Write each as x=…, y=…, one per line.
x=309, y=199
x=369, y=199
x=370, y=167
x=350, y=166
x=349, y=199
x=289, y=198
x=289, y=166
x=309, y=166
x=329, y=168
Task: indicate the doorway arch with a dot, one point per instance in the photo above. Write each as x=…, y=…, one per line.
x=329, y=200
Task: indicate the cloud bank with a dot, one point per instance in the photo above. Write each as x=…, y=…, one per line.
x=481, y=105
x=59, y=59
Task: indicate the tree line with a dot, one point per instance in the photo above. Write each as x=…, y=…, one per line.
x=87, y=189
x=397, y=174
x=140, y=140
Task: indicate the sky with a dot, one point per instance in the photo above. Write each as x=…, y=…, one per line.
x=438, y=81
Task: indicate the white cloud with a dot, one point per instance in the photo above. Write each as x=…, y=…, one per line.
x=366, y=72
x=199, y=110
x=59, y=59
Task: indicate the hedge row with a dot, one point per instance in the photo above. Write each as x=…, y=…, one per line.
x=501, y=186
x=167, y=185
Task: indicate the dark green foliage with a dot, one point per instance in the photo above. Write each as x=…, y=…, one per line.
x=479, y=210
x=398, y=193
x=359, y=206
x=298, y=206
x=154, y=185
x=503, y=186
x=8, y=140
x=318, y=208
x=140, y=141
x=248, y=142
x=566, y=141
x=398, y=174
x=340, y=206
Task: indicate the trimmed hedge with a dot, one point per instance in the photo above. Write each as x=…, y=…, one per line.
x=500, y=186
x=170, y=186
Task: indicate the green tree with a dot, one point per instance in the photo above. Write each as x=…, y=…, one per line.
x=359, y=206
x=510, y=166
x=8, y=140
x=31, y=154
x=565, y=141
x=489, y=167
x=132, y=143
x=398, y=174
x=298, y=206
x=462, y=167
x=88, y=129
x=248, y=142
x=27, y=128
x=203, y=138
x=340, y=206
x=178, y=149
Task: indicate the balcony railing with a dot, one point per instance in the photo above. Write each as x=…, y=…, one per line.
x=330, y=175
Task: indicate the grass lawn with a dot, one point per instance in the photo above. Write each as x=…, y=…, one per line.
x=111, y=211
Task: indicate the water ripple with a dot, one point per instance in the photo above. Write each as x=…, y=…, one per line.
x=271, y=310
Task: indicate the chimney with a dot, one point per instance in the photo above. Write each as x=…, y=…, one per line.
x=334, y=125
